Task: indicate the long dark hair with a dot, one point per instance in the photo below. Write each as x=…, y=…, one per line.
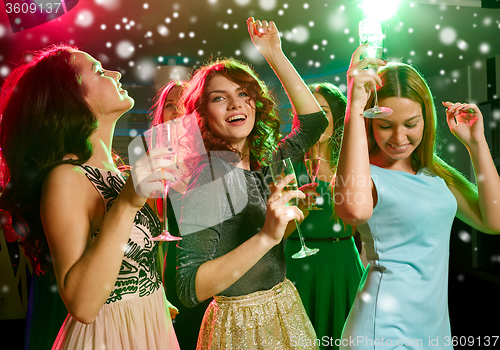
x=337, y=103
x=44, y=117
x=265, y=134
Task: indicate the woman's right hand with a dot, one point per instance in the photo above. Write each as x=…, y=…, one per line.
x=278, y=214
x=362, y=81
x=147, y=175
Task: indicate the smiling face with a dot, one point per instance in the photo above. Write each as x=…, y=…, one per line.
x=104, y=93
x=230, y=112
x=170, y=107
x=399, y=134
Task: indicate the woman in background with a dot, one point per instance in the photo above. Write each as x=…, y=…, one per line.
x=165, y=108
x=75, y=212
x=187, y=320
x=327, y=282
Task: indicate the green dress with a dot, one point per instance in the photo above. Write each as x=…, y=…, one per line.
x=327, y=281
x=46, y=313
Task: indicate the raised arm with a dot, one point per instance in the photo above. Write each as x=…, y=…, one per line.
x=353, y=178
x=480, y=209
x=265, y=36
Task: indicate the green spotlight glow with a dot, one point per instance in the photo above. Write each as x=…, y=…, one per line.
x=380, y=9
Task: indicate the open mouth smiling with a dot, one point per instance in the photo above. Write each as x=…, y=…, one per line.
x=236, y=118
x=399, y=147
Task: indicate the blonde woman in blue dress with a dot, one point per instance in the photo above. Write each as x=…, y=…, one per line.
x=403, y=199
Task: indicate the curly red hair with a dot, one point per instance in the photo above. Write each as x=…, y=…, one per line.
x=265, y=133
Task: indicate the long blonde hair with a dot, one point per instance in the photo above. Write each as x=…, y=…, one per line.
x=403, y=80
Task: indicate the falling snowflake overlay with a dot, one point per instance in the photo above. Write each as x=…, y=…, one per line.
x=317, y=36
x=329, y=28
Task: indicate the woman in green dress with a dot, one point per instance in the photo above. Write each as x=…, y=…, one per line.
x=327, y=281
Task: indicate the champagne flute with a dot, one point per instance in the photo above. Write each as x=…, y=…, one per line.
x=164, y=136
x=312, y=159
x=371, y=30
x=280, y=170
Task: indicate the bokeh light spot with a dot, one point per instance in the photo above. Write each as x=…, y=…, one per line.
x=299, y=35
x=462, y=45
x=448, y=35
x=162, y=30
x=251, y=53
x=125, y=49
x=267, y=5
x=4, y=71
x=484, y=48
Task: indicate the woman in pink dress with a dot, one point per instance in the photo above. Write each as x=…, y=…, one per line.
x=76, y=213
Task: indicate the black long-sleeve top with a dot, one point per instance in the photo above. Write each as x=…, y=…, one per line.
x=226, y=206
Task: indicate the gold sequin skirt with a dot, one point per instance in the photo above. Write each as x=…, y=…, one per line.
x=272, y=319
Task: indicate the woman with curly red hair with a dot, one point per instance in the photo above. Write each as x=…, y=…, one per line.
x=232, y=224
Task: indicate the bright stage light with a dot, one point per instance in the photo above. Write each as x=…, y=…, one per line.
x=380, y=9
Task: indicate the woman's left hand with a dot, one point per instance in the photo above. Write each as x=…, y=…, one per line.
x=465, y=122
x=265, y=36
x=311, y=195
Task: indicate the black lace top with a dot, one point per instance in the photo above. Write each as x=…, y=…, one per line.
x=138, y=276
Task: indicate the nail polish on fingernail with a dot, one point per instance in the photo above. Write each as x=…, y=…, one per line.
x=170, y=149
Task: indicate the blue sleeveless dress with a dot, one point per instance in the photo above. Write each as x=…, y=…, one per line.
x=402, y=301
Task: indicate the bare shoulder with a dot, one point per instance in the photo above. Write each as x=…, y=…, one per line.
x=70, y=209
x=67, y=184
x=64, y=174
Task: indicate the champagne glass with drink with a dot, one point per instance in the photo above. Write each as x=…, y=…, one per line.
x=371, y=30
x=280, y=170
x=164, y=136
x=312, y=159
